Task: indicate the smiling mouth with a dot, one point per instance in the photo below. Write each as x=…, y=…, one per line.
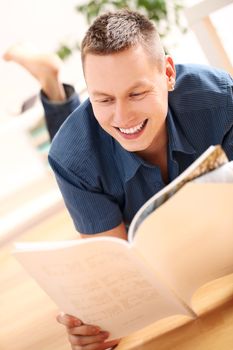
x=135, y=130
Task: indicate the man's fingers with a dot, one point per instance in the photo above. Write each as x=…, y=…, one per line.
x=85, y=337
x=85, y=340
x=107, y=345
x=68, y=321
x=96, y=346
x=84, y=330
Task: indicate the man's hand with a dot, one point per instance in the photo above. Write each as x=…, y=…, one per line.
x=85, y=337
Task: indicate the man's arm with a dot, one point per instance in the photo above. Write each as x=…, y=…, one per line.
x=119, y=231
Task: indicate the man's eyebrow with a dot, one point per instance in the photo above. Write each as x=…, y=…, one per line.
x=99, y=93
x=138, y=84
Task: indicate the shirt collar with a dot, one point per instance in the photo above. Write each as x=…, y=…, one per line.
x=128, y=162
x=177, y=140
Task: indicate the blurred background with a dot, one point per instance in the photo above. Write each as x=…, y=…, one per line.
x=31, y=207
x=50, y=23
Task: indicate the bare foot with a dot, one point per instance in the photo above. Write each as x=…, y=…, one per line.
x=44, y=67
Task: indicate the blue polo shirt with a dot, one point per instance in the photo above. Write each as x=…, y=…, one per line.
x=103, y=184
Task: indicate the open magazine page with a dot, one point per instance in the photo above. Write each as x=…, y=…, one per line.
x=188, y=239
x=102, y=281
x=213, y=158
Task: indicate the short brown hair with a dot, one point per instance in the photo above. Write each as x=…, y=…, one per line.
x=117, y=31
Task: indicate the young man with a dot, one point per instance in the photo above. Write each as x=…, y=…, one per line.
x=145, y=122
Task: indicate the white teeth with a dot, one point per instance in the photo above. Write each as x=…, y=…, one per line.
x=133, y=130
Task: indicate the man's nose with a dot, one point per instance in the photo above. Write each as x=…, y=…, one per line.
x=121, y=114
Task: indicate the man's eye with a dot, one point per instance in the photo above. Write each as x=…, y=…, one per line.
x=105, y=100
x=138, y=94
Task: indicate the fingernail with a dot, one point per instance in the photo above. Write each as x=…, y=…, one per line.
x=95, y=330
x=105, y=334
x=77, y=323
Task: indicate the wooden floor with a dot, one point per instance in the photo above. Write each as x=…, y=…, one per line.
x=28, y=315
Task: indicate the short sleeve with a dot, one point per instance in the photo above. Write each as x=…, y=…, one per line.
x=231, y=86
x=57, y=112
x=91, y=210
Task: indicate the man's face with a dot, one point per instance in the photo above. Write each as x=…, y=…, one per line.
x=129, y=96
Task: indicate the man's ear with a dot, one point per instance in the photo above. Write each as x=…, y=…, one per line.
x=170, y=73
